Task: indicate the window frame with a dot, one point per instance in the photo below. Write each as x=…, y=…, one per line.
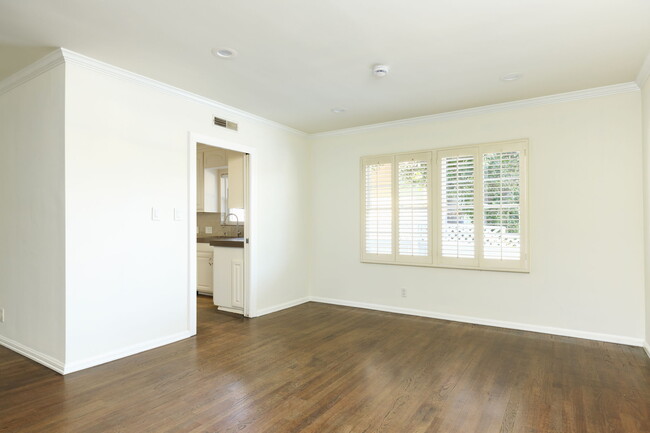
x=435, y=259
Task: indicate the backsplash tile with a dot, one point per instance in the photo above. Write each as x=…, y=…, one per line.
x=210, y=219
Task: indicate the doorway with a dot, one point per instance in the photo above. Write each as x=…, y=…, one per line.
x=221, y=225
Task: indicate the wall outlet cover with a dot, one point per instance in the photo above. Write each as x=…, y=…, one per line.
x=208, y=229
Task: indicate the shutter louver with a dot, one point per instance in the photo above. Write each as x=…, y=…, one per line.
x=413, y=179
x=502, y=206
x=378, y=178
x=464, y=207
x=457, y=206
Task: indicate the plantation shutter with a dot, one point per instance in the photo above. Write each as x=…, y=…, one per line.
x=458, y=207
x=504, y=198
x=413, y=180
x=377, y=209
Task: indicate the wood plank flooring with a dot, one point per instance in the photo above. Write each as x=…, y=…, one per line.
x=325, y=368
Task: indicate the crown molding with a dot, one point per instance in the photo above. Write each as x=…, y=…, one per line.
x=96, y=65
x=644, y=72
x=542, y=100
x=62, y=55
x=42, y=65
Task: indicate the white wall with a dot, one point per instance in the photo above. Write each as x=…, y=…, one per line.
x=645, y=94
x=586, y=198
x=32, y=279
x=126, y=152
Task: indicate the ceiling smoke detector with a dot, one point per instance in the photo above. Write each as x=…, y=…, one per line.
x=380, y=70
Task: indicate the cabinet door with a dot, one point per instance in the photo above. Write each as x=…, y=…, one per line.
x=229, y=278
x=214, y=158
x=235, y=180
x=237, y=282
x=204, y=272
x=200, y=186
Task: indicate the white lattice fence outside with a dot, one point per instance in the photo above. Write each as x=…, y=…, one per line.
x=493, y=236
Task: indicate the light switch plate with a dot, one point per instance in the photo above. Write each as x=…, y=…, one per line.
x=179, y=215
x=208, y=230
x=155, y=214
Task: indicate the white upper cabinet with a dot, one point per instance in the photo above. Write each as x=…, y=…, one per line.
x=235, y=180
x=200, y=189
x=208, y=161
x=214, y=158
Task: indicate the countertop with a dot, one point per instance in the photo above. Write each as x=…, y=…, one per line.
x=221, y=241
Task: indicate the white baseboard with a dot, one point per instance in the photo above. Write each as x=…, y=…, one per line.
x=646, y=346
x=279, y=307
x=231, y=310
x=32, y=354
x=124, y=352
x=619, y=339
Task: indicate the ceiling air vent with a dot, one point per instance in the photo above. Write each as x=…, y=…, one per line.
x=225, y=123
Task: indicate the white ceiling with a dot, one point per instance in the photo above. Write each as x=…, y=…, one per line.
x=300, y=58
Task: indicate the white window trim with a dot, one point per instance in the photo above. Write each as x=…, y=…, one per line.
x=435, y=259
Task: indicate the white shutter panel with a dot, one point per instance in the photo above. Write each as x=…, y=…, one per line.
x=458, y=207
x=377, y=209
x=504, y=205
x=413, y=182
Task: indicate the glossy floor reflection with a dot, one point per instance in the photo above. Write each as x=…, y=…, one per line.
x=324, y=368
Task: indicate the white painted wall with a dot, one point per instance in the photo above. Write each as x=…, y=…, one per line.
x=645, y=95
x=587, y=270
x=126, y=152
x=32, y=279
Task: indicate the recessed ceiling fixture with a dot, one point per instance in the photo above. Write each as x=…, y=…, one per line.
x=339, y=110
x=514, y=76
x=380, y=70
x=224, y=53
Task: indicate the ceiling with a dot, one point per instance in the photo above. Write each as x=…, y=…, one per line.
x=298, y=59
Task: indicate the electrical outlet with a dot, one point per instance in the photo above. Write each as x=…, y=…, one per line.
x=208, y=230
x=403, y=293
x=2, y=315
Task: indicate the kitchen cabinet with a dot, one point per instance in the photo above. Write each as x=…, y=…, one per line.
x=200, y=182
x=214, y=158
x=235, y=180
x=207, y=180
x=228, y=279
x=204, y=268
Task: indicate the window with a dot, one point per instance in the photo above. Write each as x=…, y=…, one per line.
x=457, y=207
x=378, y=205
x=413, y=214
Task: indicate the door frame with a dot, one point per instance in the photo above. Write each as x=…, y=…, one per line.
x=250, y=223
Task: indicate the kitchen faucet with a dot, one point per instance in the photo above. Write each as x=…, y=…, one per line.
x=236, y=219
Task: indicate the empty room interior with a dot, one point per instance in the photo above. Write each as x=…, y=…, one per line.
x=334, y=216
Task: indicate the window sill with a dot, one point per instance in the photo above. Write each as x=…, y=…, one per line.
x=445, y=266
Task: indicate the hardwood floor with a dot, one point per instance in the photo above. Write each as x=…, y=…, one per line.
x=324, y=368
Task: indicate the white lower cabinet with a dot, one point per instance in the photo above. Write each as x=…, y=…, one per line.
x=228, y=279
x=204, y=265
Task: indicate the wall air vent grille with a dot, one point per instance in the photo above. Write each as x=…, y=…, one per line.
x=225, y=123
